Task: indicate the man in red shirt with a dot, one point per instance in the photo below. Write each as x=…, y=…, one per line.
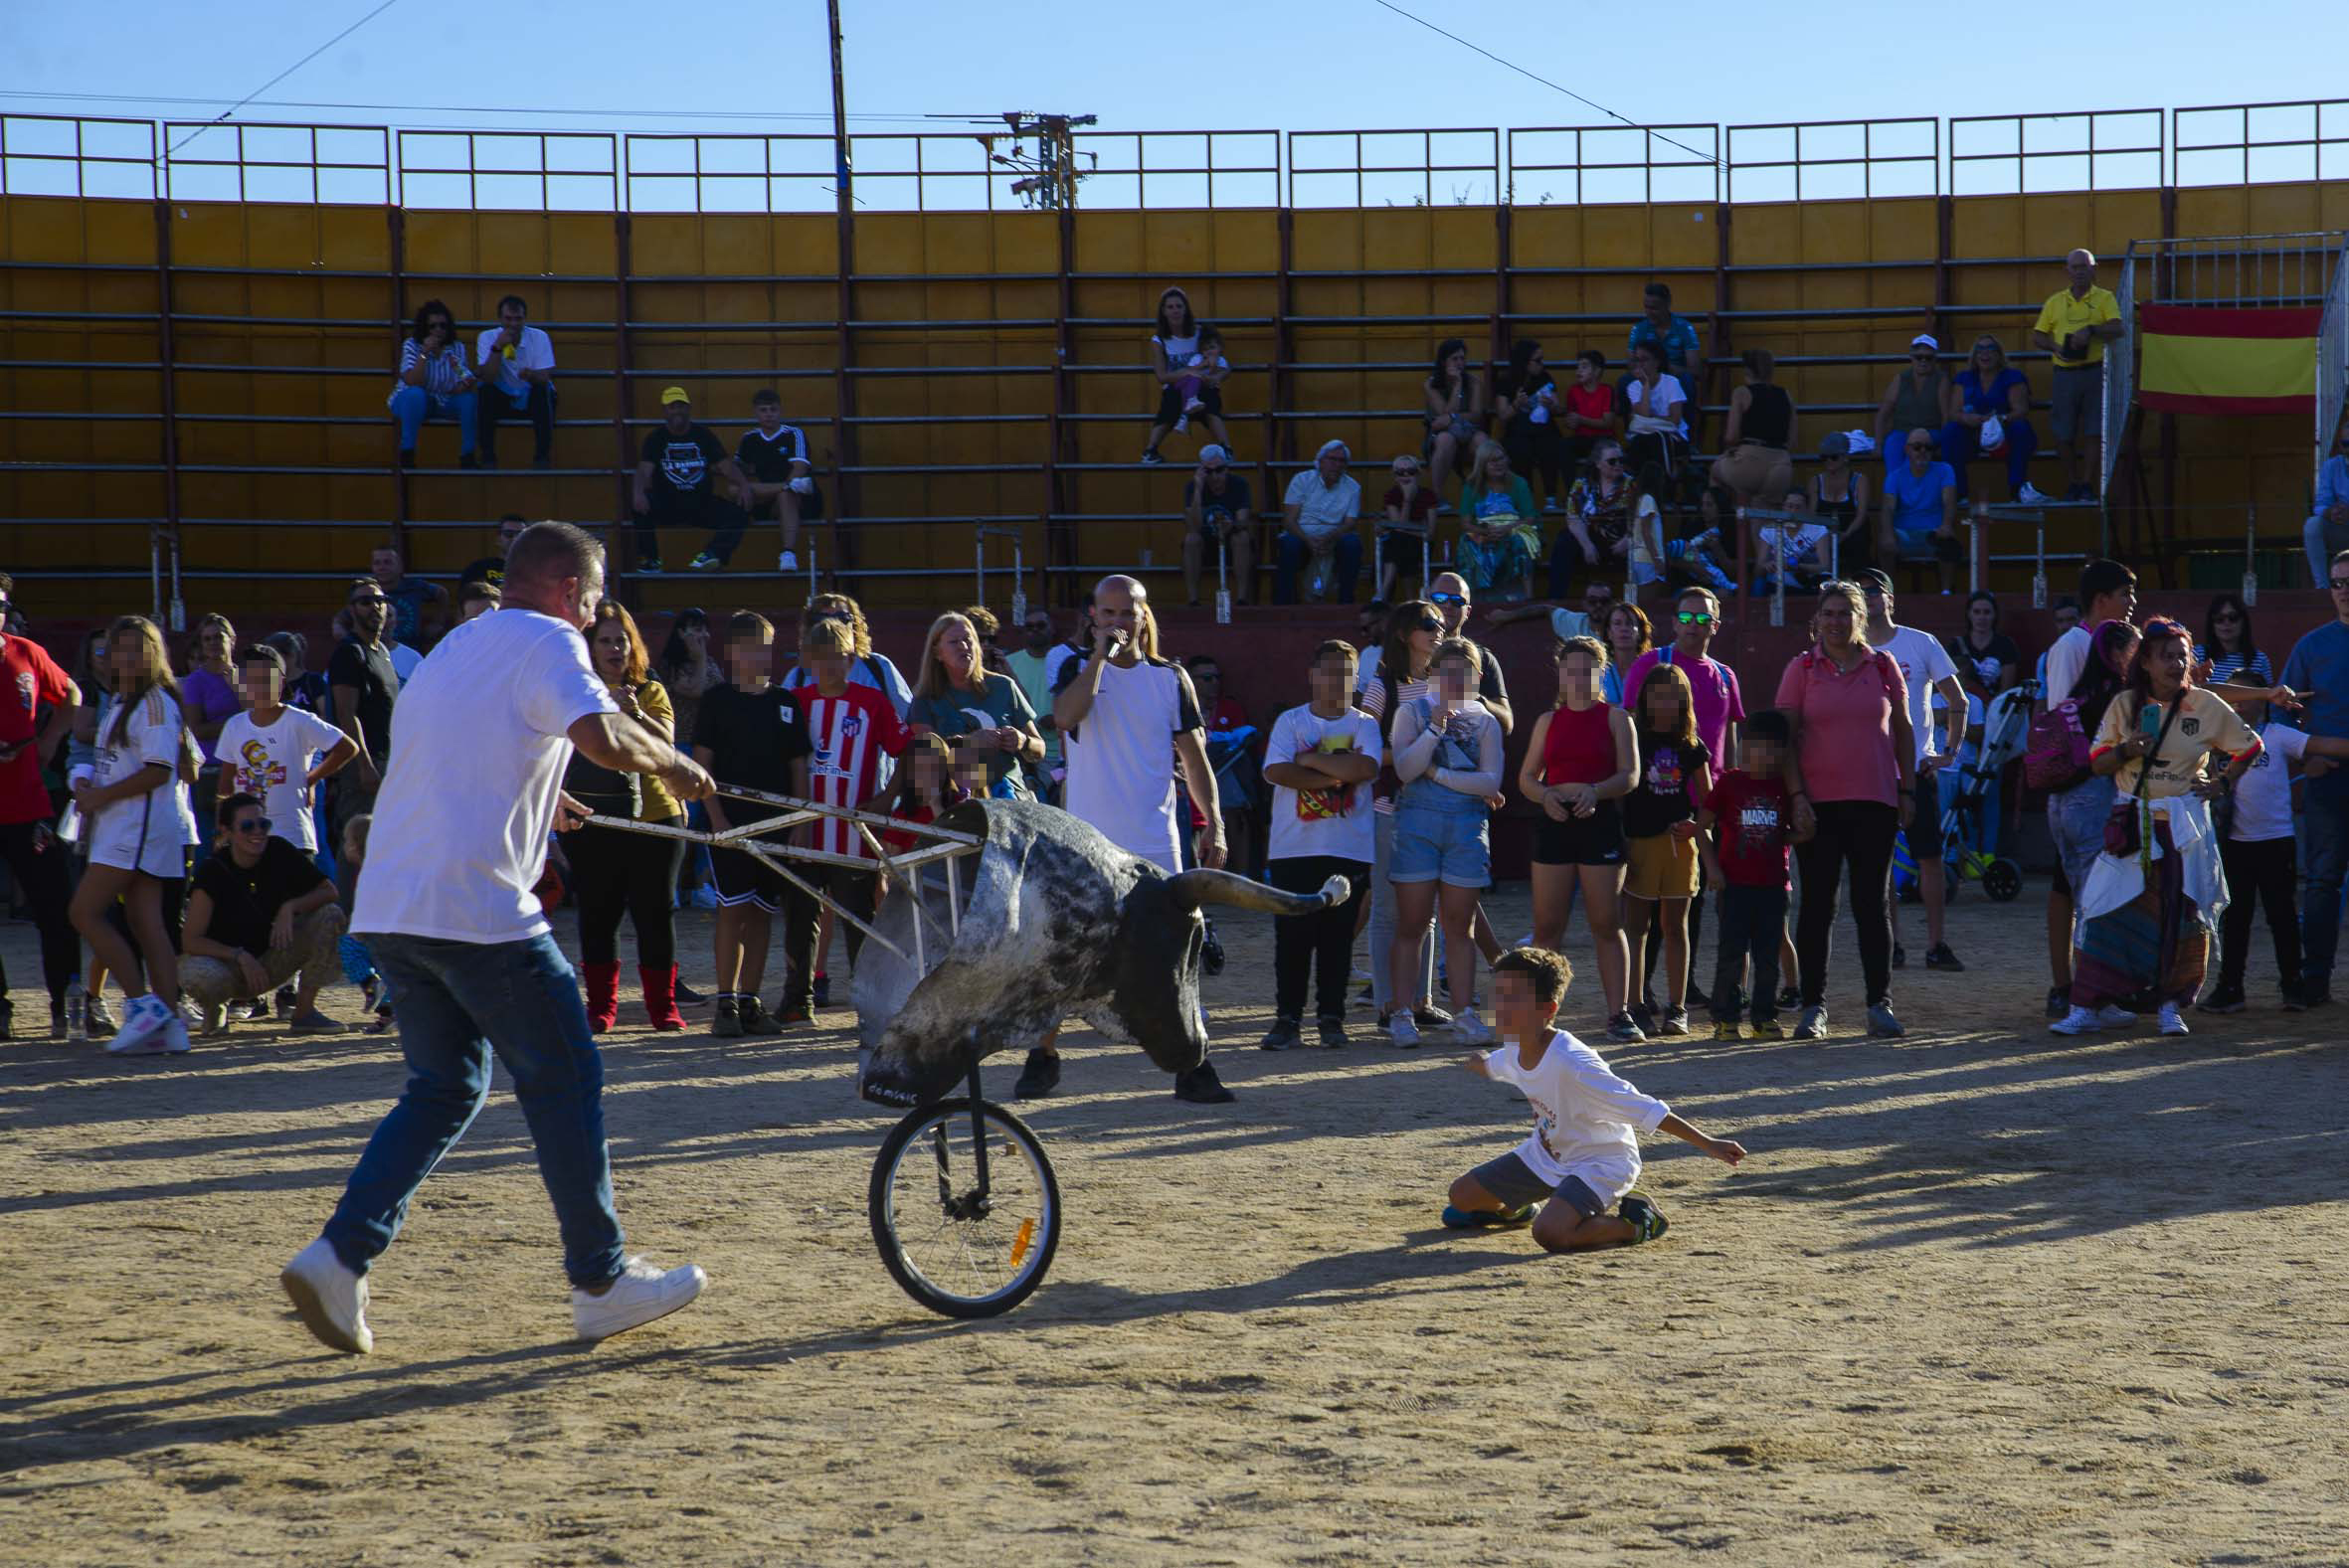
x=850, y=728
x=37, y=703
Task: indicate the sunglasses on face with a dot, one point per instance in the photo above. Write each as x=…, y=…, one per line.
x=254, y=825
x=1447, y=598
x=1610, y=463
x=2341, y=585
x=1433, y=624
x=1694, y=617
x=1216, y=467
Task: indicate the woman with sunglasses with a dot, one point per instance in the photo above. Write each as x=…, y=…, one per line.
x=434, y=383
x=1839, y=499
x=1990, y=416
x=1596, y=539
x=2227, y=645
x=1917, y=398
x=1407, y=525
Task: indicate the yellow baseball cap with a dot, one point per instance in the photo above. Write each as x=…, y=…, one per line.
x=670, y=395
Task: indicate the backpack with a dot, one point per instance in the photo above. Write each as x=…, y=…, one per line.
x=2055, y=750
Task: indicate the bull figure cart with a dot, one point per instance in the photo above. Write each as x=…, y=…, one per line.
x=1005, y=918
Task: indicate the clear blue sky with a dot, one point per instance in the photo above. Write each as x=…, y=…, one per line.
x=1300, y=66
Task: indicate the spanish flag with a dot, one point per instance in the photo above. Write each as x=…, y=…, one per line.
x=2224, y=359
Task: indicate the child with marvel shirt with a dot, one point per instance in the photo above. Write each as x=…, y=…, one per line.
x=1743, y=832
x=1581, y=1161
x=1321, y=762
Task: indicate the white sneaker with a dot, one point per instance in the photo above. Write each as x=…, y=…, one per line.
x=1401, y=1028
x=2030, y=495
x=2171, y=1023
x=642, y=1293
x=331, y=1298
x=175, y=1034
x=1469, y=1029
x=2077, y=1021
x=786, y=562
x=144, y=1019
x=1182, y=424
x=2112, y=1017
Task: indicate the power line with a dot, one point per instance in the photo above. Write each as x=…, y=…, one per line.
x=452, y=108
x=283, y=75
x=1711, y=158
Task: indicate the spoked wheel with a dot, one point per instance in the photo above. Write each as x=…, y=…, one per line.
x=965, y=1239
x=2002, y=878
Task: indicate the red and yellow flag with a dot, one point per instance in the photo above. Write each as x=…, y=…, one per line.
x=2227, y=359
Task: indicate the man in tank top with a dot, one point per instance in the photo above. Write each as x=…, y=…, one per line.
x=1129, y=722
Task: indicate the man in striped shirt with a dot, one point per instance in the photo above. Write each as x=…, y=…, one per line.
x=851, y=728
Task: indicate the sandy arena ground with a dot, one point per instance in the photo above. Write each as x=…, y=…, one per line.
x=1980, y=1296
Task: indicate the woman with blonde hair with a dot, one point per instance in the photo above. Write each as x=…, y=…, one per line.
x=985, y=714
x=130, y=803
x=1989, y=407
x=615, y=871
x=867, y=668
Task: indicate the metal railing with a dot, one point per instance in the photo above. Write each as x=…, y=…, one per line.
x=961, y=170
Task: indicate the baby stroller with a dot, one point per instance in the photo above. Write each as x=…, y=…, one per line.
x=1965, y=857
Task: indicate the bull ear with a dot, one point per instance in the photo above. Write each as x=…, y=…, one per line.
x=1191, y=889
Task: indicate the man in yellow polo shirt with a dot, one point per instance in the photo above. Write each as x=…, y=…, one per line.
x=2076, y=323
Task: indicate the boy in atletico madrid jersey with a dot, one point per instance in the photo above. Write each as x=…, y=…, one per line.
x=851, y=728
x=1743, y=832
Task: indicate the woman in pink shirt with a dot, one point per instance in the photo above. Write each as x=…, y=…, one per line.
x=1849, y=773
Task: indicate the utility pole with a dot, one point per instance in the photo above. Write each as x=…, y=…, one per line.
x=1049, y=179
x=844, y=302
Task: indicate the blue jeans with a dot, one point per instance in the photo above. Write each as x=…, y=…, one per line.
x=2075, y=821
x=2326, y=822
x=412, y=406
x=2322, y=541
x=1962, y=444
x=459, y=1002
x=1292, y=554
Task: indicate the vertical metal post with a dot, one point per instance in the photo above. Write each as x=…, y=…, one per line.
x=624, y=475
x=1978, y=548
x=167, y=353
x=397, y=224
x=2038, y=568
x=846, y=493
x=2250, y=561
x=1502, y=240
x=1060, y=542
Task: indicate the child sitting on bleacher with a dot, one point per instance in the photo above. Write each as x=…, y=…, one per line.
x=1209, y=357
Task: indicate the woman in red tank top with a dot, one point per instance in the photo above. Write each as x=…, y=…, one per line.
x=1579, y=761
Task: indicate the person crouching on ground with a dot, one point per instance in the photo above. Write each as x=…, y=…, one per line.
x=1583, y=1152
x=259, y=912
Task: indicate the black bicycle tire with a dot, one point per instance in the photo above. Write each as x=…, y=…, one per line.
x=893, y=1257
x=2003, y=872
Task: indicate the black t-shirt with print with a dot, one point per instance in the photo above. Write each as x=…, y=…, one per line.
x=683, y=464
x=1665, y=791
x=752, y=738
x=769, y=461
x=245, y=900
x=367, y=668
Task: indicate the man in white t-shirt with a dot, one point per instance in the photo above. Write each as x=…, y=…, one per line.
x=1926, y=666
x=516, y=368
x=267, y=750
x=1129, y=722
x=459, y=841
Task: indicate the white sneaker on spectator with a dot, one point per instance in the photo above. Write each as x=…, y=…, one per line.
x=2032, y=495
x=175, y=1034
x=1469, y=1029
x=2171, y=1023
x=642, y=1293
x=2112, y=1017
x=144, y=1019
x=1401, y=1029
x=331, y=1298
x=786, y=562
x=2077, y=1021
x=1182, y=424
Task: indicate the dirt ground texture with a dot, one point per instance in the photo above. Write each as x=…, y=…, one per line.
x=1978, y=1296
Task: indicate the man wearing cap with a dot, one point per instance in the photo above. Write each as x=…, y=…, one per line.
x=2074, y=326
x=1916, y=400
x=1318, y=516
x=678, y=487
x=1216, y=506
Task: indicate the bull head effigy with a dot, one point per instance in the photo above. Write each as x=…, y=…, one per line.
x=1053, y=921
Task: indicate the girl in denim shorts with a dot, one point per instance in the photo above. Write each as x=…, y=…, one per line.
x=1447, y=752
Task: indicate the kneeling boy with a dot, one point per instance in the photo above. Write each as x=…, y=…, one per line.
x=1583, y=1153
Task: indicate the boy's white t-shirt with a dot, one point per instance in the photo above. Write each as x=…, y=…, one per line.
x=1323, y=827
x=271, y=763
x=1922, y=660
x=1586, y=1120
x=2264, y=795
x=480, y=742
x=2060, y=668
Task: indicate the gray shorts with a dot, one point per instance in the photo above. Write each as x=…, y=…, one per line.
x=1509, y=1179
x=2076, y=405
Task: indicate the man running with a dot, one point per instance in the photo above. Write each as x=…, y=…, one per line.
x=486, y=729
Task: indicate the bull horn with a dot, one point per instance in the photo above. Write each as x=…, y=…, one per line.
x=1193, y=888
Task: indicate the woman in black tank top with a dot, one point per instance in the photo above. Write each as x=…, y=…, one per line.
x=1839, y=496
x=1755, y=467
